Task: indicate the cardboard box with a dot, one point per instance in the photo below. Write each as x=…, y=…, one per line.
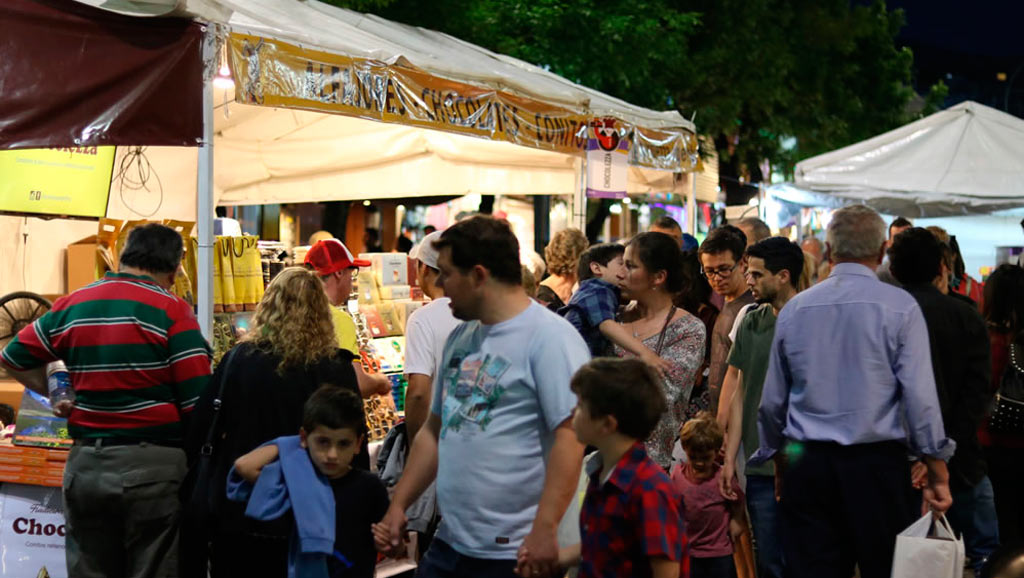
x=83, y=265
x=392, y=324
x=389, y=268
x=369, y=293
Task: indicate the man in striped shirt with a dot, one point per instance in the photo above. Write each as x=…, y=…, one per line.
x=138, y=364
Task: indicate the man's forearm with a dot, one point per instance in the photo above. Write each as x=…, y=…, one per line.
x=417, y=403
x=34, y=379
x=421, y=469
x=728, y=391
x=735, y=424
x=562, y=477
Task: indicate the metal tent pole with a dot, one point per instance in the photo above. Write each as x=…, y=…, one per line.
x=204, y=188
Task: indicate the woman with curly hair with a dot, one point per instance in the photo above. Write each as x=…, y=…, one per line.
x=289, y=352
x=563, y=256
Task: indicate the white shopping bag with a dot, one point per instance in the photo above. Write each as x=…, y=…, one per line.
x=922, y=553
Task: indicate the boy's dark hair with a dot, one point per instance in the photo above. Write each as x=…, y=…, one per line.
x=602, y=254
x=666, y=222
x=487, y=242
x=659, y=252
x=626, y=389
x=726, y=238
x=915, y=256
x=153, y=248
x=780, y=253
x=334, y=407
x=899, y=223
x=701, y=434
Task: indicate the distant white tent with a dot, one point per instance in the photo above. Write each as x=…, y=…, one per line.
x=967, y=159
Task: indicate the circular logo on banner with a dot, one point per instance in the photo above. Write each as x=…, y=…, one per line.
x=606, y=135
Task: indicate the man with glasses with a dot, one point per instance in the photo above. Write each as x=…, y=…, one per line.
x=336, y=266
x=721, y=257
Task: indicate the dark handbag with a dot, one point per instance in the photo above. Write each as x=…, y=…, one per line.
x=1008, y=414
x=200, y=505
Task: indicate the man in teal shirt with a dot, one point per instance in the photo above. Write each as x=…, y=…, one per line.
x=773, y=270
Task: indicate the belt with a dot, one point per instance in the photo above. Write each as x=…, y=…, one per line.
x=121, y=441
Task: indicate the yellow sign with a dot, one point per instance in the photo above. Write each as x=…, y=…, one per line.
x=269, y=72
x=73, y=182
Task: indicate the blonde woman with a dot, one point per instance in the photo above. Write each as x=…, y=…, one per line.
x=563, y=257
x=290, y=351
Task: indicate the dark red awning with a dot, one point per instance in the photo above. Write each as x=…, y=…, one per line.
x=73, y=75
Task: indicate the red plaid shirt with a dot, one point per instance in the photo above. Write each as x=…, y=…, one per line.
x=635, y=516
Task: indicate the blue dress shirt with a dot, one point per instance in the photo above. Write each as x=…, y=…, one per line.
x=851, y=364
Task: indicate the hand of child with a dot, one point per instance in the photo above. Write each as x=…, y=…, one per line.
x=659, y=364
x=389, y=533
x=725, y=482
x=736, y=529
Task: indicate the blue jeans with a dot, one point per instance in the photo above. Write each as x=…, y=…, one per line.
x=442, y=561
x=764, y=518
x=973, y=514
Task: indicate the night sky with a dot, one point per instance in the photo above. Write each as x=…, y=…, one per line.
x=966, y=44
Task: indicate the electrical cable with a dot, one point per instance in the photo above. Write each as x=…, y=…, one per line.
x=135, y=173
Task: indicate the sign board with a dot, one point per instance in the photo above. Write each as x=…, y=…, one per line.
x=73, y=182
x=32, y=532
x=607, y=159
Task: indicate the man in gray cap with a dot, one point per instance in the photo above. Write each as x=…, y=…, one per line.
x=425, y=334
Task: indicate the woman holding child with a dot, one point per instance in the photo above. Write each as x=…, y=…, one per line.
x=653, y=277
x=290, y=351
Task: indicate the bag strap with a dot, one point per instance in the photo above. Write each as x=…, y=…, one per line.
x=664, y=328
x=207, y=448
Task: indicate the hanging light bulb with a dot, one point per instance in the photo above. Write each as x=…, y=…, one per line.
x=223, y=78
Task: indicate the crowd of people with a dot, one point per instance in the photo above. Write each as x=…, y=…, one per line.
x=653, y=408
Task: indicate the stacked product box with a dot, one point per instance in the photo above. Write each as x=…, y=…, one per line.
x=32, y=466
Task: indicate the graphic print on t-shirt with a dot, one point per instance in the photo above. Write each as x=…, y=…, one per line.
x=471, y=390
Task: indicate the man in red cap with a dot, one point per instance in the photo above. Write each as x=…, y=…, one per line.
x=332, y=260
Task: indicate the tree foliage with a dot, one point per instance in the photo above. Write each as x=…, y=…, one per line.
x=759, y=74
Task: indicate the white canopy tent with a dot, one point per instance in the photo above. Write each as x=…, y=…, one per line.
x=967, y=159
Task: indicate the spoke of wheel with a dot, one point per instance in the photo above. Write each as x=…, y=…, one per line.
x=36, y=310
x=9, y=314
x=6, y=337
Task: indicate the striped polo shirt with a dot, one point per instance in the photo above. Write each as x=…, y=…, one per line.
x=137, y=360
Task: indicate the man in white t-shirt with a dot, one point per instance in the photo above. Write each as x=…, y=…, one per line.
x=499, y=438
x=425, y=334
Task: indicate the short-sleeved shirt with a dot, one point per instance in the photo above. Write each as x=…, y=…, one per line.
x=632, y=517
x=137, y=360
x=706, y=512
x=502, y=392
x=345, y=331
x=595, y=302
x=360, y=500
x=721, y=344
x=750, y=354
x=426, y=332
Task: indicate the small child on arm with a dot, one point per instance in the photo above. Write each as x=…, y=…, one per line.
x=631, y=521
x=594, y=305
x=333, y=426
x=712, y=522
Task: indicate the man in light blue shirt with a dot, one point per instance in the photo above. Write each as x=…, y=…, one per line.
x=849, y=392
x=499, y=438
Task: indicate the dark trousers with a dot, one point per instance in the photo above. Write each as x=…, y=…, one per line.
x=843, y=506
x=443, y=561
x=121, y=505
x=716, y=567
x=1006, y=470
x=238, y=554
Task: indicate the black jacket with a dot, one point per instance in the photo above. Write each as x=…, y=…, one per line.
x=962, y=365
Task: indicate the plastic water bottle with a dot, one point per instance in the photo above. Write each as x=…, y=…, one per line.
x=58, y=381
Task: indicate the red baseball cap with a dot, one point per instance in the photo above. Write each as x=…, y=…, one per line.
x=330, y=256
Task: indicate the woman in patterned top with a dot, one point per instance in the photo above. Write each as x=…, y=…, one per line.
x=654, y=276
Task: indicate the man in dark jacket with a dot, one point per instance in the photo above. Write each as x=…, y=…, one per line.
x=960, y=359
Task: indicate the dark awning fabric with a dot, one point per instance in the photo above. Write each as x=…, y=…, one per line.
x=73, y=75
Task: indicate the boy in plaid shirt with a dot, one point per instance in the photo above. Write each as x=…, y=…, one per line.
x=594, y=305
x=631, y=521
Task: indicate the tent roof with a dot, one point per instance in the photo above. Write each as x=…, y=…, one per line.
x=968, y=158
x=316, y=25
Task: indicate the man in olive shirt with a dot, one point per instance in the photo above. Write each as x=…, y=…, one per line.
x=773, y=271
x=721, y=256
